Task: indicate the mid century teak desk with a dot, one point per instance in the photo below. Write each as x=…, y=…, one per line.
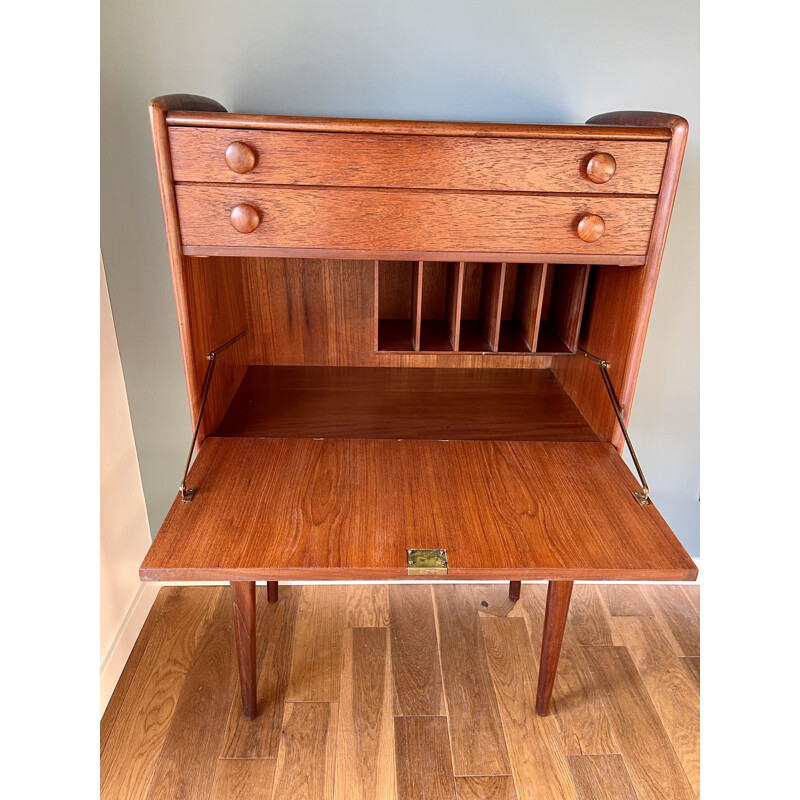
x=405, y=336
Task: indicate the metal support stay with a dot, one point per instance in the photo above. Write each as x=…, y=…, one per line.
x=643, y=497
x=187, y=494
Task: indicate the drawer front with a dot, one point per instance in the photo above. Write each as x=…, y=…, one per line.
x=392, y=219
x=219, y=155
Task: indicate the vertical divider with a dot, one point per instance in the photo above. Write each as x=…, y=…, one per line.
x=492, y=302
x=416, y=304
x=377, y=304
x=455, y=290
x=528, y=301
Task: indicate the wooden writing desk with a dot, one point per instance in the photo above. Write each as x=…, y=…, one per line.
x=384, y=328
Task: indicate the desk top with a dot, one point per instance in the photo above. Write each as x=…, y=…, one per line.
x=348, y=509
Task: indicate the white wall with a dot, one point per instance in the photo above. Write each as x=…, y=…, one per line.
x=124, y=531
x=504, y=61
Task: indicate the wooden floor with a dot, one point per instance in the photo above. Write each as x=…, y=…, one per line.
x=411, y=692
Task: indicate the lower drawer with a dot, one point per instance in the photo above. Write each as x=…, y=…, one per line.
x=368, y=220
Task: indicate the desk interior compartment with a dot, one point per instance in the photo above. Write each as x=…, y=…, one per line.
x=563, y=298
x=473, y=307
x=396, y=288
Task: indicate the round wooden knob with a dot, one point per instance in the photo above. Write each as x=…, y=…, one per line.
x=245, y=218
x=591, y=227
x=600, y=168
x=240, y=157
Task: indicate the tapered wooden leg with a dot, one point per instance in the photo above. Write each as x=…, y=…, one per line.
x=244, y=624
x=272, y=591
x=514, y=588
x=555, y=619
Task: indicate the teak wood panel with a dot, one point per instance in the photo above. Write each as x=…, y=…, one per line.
x=350, y=508
x=403, y=403
x=409, y=161
x=192, y=291
x=619, y=304
x=194, y=111
x=216, y=284
x=323, y=313
x=346, y=219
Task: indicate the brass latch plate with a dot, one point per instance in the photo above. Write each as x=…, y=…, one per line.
x=426, y=562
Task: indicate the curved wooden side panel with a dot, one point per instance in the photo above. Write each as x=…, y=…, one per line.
x=199, y=284
x=620, y=298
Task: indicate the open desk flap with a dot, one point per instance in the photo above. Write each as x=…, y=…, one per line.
x=350, y=509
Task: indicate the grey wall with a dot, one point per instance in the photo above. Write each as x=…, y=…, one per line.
x=503, y=61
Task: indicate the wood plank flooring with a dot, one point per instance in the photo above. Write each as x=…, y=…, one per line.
x=410, y=693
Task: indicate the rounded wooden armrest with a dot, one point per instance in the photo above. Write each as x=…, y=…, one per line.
x=642, y=119
x=185, y=102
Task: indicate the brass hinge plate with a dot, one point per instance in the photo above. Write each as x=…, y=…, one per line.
x=426, y=562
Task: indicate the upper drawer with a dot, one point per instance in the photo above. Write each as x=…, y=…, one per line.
x=346, y=219
x=424, y=162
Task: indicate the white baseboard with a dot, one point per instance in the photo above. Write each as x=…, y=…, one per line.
x=121, y=647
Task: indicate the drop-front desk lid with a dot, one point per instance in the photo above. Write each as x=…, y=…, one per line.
x=349, y=509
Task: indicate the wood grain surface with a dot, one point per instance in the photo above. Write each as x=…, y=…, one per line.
x=476, y=729
x=576, y=707
x=682, y=619
x=365, y=765
x=275, y=629
x=348, y=508
x=185, y=766
x=674, y=693
x=583, y=722
x=625, y=600
x=316, y=660
x=244, y=626
x=351, y=220
x=129, y=671
x=409, y=161
x=416, y=667
x=423, y=767
x=243, y=779
x=692, y=667
x=323, y=313
x=486, y=787
x=555, y=620
x=306, y=759
x=569, y=283
x=601, y=778
x=620, y=300
x=143, y=722
x=403, y=403
x=215, y=283
x=656, y=772
x=539, y=767
x=589, y=619
x=693, y=593
x=186, y=111
x=366, y=606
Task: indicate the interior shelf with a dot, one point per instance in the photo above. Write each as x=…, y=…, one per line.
x=404, y=403
x=471, y=307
